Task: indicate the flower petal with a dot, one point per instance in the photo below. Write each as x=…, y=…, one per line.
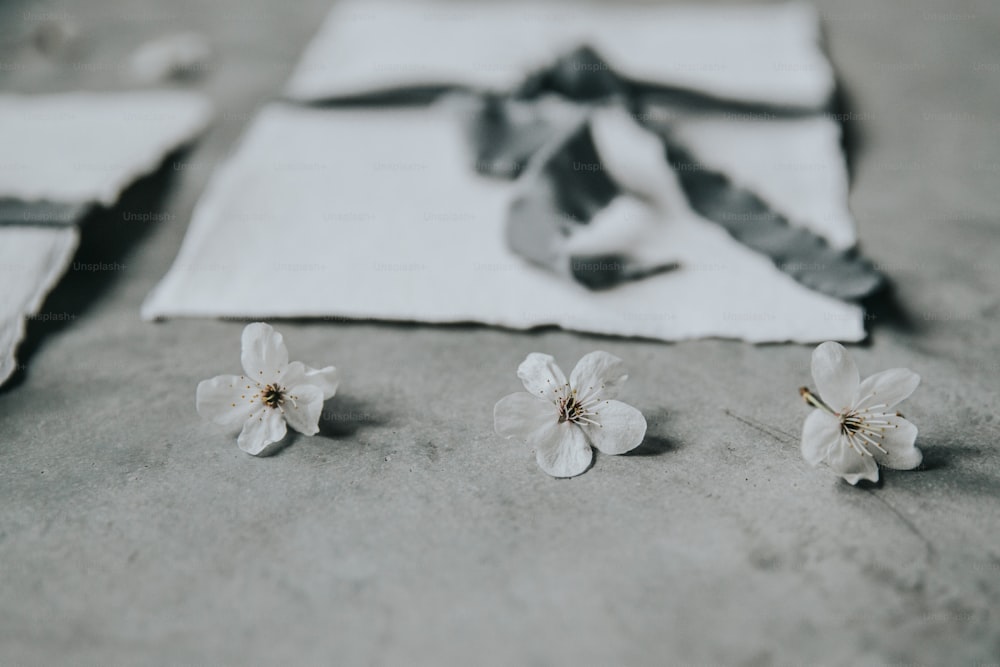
x=303, y=408
x=835, y=374
x=887, y=388
x=297, y=373
x=598, y=375
x=850, y=464
x=219, y=400
x=522, y=415
x=820, y=434
x=621, y=429
x=563, y=450
x=263, y=354
x=898, y=442
x=541, y=375
x=264, y=428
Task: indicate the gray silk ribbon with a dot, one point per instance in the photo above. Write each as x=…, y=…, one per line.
x=511, y=132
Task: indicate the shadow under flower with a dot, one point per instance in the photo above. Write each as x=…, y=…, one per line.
x=653, y=445
x=952, y=465
x=345, y=415
x=939, y=460
x=342, y=416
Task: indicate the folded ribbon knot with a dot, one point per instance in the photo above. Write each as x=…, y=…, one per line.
x=546, y=132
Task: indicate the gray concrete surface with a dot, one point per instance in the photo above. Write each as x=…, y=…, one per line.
x=407, y=533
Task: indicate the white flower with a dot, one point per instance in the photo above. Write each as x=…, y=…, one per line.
x=564, y=419
x=855, y=427
x=270, y=394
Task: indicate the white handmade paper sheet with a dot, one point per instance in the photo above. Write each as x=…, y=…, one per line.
x=766, y=54
x=88, y=147
x=72, y=150
x=31, y=261
x=365, y=213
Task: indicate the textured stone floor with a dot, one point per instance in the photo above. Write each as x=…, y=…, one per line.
x=407, y=533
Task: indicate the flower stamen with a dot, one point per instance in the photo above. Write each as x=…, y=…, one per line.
x=858, y=427
x=573, y=410
x=273, y=396
x=857, y=446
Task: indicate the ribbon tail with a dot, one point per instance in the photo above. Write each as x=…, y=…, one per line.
x=800, y=253
x=543, y=132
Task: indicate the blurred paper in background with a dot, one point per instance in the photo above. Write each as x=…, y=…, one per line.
x=378, y=212
x=64, y=154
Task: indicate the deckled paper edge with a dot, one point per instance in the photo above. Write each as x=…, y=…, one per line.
x=12, y=332
x=853, y=330
x=155, y=305
x=201, y=113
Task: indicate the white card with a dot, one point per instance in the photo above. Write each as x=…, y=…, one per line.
x=31, y=261
x=768, y=54
x=364, y=213
x=88, y=147
x=72, y=150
